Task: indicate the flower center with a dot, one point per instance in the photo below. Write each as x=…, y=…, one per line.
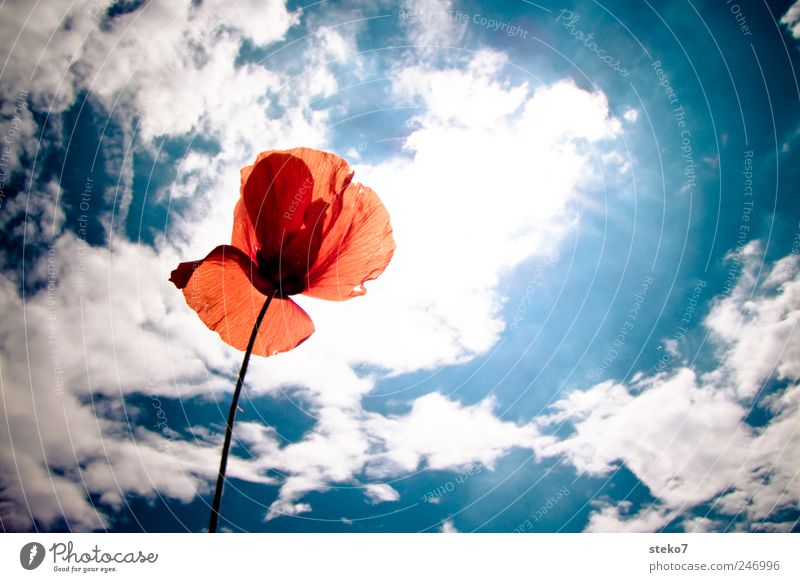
x=282, y=280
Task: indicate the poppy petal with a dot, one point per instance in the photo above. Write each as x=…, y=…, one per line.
x=280, y=190
x=219, y=288
x=244, y=236
x=356, y=248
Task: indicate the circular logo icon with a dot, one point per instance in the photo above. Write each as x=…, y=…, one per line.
x=31, y=555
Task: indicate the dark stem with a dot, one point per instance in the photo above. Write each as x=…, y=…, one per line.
x=226, y=447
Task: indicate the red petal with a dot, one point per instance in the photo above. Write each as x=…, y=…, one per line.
x=244, y=236
x=356, y=248
x=287, y=195
x=220, y=290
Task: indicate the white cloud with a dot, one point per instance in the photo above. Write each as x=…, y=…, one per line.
x=163, y=65
x=792, y=19
x=117, y=303
x=768, y=477
x=69, y=353
x=260, y=21
x=445, y=435
x=381, y=492
x=776, y=527
x=685, y=436
x=471, y=98
x=202, y=105
x=756, y=330
x=437, y=433
x=65, y=47
x=18, y=130
x=25, y=31
x=430, y=24
x=333, y=452
x=672, y=347
x=616, y=519
x=673, y=436
x=449, y=527
x=701, y=525
x=42, y=214
x=333, y=46
x=631, y=115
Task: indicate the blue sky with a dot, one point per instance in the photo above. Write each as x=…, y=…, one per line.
x=590, y=323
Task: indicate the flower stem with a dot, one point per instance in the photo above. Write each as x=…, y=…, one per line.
x=226, y=447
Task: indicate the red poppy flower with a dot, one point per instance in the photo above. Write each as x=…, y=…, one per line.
x=300, y=226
